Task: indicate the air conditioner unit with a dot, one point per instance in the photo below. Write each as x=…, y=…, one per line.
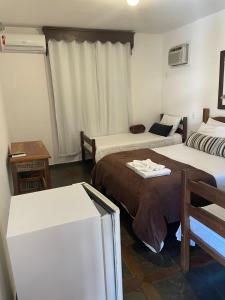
x=28, y=43
x=178, y=55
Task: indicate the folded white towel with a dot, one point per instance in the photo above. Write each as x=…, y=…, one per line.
x=150, y=174
x=148, y=169
x=145, y=165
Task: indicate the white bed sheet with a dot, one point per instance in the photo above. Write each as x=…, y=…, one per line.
x=209, y=236
x=128, y=141
x=214, y=165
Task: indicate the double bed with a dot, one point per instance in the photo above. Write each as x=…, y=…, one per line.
x=100, y=146
x=154, y=202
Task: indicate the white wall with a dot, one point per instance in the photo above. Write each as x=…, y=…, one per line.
x=5, y=288
x=27, y=90
x=27, y=103
x=187, y=89
x=182, y=90
x=146, y=78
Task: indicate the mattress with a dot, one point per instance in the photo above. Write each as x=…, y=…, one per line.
x=214, y=165
x=128, y=141
x=210, y=237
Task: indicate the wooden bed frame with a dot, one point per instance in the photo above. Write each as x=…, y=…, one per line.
x=84, y=138
x=209, y=193
x=206, y=115
x=182, y=130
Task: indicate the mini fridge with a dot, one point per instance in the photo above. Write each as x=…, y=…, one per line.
x=64, y=244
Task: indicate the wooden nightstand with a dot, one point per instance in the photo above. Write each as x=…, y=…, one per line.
x=30, y=172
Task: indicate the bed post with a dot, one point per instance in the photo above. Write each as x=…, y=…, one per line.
x=185, y=223
x=93, y=145
x=82, y=145
x=205, y=116
x=185, y=128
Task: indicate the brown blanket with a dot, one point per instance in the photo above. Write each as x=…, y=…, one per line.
x=152, y=202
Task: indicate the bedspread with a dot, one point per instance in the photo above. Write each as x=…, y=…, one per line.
x=152, y=202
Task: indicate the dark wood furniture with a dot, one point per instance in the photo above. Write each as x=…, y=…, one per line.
x=91, y=149
x=30, y=172
x=216, y=224
x=206, y=115
x=221, y=93
x=91, y=142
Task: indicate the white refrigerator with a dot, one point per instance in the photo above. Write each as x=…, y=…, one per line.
x=64, y=244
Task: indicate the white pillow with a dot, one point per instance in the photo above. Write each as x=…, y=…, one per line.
x=210, y=130
x=171, y=120
x=213, y=122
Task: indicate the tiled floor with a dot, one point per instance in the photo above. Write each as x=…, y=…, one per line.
x=154, y=276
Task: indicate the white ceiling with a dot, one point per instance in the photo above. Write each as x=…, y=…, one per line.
x=155, y=16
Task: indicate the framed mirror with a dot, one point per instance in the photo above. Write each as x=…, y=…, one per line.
x=221, y=94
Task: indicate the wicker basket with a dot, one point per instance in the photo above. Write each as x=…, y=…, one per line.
x=31, y=182
x=30, y=166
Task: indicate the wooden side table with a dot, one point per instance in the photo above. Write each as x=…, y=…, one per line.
x=30, y=172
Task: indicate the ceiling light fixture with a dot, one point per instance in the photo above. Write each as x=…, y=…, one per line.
x=132, y=2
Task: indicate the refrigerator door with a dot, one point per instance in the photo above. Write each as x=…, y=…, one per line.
x=110, y=220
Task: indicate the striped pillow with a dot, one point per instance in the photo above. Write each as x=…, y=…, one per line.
x=205, y=143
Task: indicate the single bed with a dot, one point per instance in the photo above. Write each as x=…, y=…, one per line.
x=203, y=225
x=98, y=147
x=154, y=202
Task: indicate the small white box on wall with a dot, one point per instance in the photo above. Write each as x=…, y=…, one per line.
x=179, y=55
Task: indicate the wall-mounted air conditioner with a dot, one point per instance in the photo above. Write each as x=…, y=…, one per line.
x=178, y=55
x=28, y=43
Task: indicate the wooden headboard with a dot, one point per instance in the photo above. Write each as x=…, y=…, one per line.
x=182, y=129
x=205, y=116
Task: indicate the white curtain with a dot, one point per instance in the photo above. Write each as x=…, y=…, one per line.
x=91, y=87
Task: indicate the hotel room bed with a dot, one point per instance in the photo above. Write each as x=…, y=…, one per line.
x=127, y=141
x=101, y=146
x=154, y=202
